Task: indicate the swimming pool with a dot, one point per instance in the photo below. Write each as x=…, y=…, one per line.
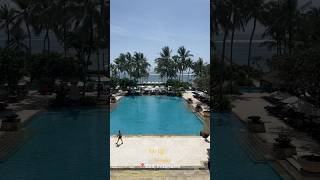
x=154, y=115
x=65, y=144
x=230, y=160
x=250, y=89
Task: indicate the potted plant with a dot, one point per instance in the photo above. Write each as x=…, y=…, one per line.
x=190, y=101
x=204, y=134
x=113, y=99
x=198, y=107
x=256, y=125
x=282, y=148
x=11, y=123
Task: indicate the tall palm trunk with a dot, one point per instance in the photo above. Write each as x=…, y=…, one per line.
x=29, y=37
x=213, y=44
x=231, y=53
x=8, y=33
x=188, y=75
x=84, y=71
x=290, y=26
x=222, y=63
x=99, y=79
x=103, y=59
x=181, y=76
x=64, y=41
x=44, y=43
x=48, y=38
x=64, y=29
x=251, y=39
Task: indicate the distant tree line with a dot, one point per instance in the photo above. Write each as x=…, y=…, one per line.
x=79, y=26
x=135, y=66
x=170, y=67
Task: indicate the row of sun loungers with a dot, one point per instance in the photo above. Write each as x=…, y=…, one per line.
x=286, y=110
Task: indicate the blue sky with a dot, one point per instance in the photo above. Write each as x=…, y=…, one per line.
x=148, y=25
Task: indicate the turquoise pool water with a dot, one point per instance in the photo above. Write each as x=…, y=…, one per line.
x=65, y=144
x=154, y=115
x=250, y=90
x=230, y=161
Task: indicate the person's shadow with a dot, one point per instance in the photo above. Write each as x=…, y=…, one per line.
x=206, y=140
x=118, y=145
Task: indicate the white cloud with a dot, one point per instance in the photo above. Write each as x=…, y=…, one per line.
x=118, y=30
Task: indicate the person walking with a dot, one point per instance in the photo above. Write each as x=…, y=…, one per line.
x=119, y=138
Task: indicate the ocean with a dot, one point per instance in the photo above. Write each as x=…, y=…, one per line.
x=154, y=77
x=241, y=49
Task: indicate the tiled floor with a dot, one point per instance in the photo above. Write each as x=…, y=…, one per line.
x=159, y=151
x=160, y=175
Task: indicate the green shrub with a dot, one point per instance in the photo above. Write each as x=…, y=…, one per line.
x=125, y=82
x=87, y=101
x=227, y=89
x=177, y=85
x=222, y=104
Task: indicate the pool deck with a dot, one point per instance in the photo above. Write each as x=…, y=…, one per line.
x=160, y=175
x=206, y=120
x=253, y=104
x=25, y=109
x=160, y=152
x=28, y=107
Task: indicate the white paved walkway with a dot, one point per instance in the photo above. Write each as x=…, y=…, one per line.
x=158, y=151
x=253, y=104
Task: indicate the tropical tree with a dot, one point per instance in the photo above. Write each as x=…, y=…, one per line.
x=18, y=36
x=114, y=70
x=128, y=66
x=165, y=66
x=120, y=62
x=197, y=67
x=140, y=66
x=224, y=14
x=7, y=18
x=25, y=15
x=184, y=56
x=255, y=14
x=189, y=64
x=177, y=65
x=280, y=21
x=12, y=68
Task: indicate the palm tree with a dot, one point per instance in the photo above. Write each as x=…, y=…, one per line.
x=26, y=8
x=120, y=62
x=238, y=21
x=113, y=70
x=197, y=67
x=140, y=66
x=189, y=66
x=84, y=27
x=255, y=13
x=184, y=56
x=177, y=64
x=128, y=65
x=280, y=19
x=224, y=12
x=18, y=36
x=165, y=63
x=7, y=17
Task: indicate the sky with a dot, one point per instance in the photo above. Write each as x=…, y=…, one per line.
x=148, y=25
